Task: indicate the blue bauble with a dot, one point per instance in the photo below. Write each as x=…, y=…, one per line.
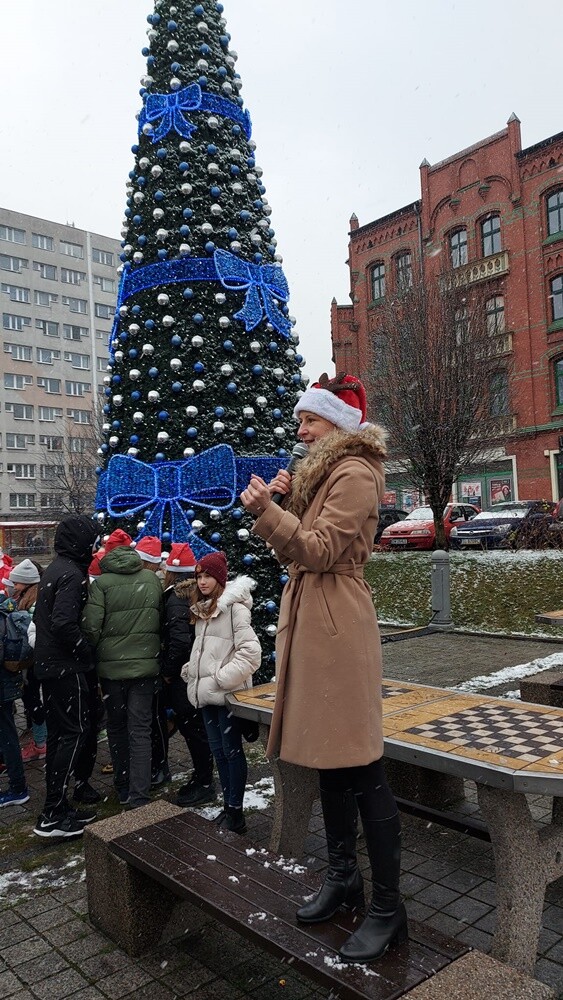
x=187, y=213
x=251, y=162
x=202, y=80
x=142, y=241
x=107, y=407
x=149, y=324
x=176, y=387
x=249, y=432
x=296, y=378
x=282, y=453
x=172, y=26
x=257, y=204
x=299, y=358
x=233, y=234
x=212, y=149
x=162, y=254
x=215, y=191
x=142, y=181
x=204, y=49
x=162, y=153
x=137, y=219
x=210, y=247
x=175, y=340
x=199, y=367
x=150, y=60
x=232, y=388
x=248, y=559
x=284, y=579
x=228, y=345
x=184, y=230
x=245, y=215
x=191, y=432
x=159, y=195
x=281, y=390
x=134, y=439
x=183, y=166
x=116, y=424
x=224, y=39
x=197, y=318
x=188, y=293
x=258, y=258
x=221, y=72
x=271, y=607
x=135, y=395
x=145, y=51
x=219, y=8
x=123, y=337
x=234, y=170
x=166, y=537
x=277, y=414
x=116, y=379
x=136, y=310
x=99, y=470
x=153, y=372
x=176, y=67
x=215, y=538
x=160, y=457
x=257, y=369
x=236, y=130
x=219, y=411
x=272, y=657
x=133, y=353
x=134, y=149
x=237, y=514
x=272, y=346
x=190, y=514
x=123, y=257
x=199, y=10
x=164, y=415
x=104, y=448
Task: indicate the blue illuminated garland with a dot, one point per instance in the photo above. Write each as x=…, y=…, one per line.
x=168, y=111
x=212, y=480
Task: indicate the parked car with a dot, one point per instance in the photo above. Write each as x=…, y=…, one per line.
x=492, y=528
x=417, y=530
x=387, y=516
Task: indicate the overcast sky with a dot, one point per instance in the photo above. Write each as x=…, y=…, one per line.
x=346, y=100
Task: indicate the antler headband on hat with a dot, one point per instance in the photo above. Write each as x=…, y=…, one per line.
x=341, y=400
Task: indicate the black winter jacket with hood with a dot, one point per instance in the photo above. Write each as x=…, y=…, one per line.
x=60, y=646
x=179, y=632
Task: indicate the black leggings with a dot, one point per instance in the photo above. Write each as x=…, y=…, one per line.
x=369, y=785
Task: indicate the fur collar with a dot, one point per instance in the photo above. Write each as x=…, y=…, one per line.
x=237, y=591
x=368, y=444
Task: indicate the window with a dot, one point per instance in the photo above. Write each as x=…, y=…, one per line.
x=499, y=403
x=556, y=297
x=490, y=235
x=72, y=249
x=48, y=327
x=458, y=248
x=77, y=445
x=377, y=282
x=19, y=352
x=102, y=335
x=75, y=305
x=12, y=322
x=22, y=471
x=46, y=356
x=19, y=411
x=102, y=311
x=71, y=332
x=51, y=471
x=41, y=242
x=22, y=500
x=404, y=270
x=50, y=442
x=558, y=372
x=72, y=277
x=15, y=264
x=47, y=271
x=555, y=213
x=102, y=257
x=44, y=298
x=17, y=381
x=80, y=416
x=19, y=442
x=49, y=414
x=102, y=365
x=77, y=388
x=106, y=284
x=50, y=385
x=17, y=293
x=12, y=235
x=51, y=500
x=461, y=322
x=78, y=360
x=494, y=311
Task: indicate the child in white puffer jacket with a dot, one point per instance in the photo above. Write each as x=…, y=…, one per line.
x=225, y=654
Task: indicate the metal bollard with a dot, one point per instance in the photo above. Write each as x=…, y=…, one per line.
x=441, y=608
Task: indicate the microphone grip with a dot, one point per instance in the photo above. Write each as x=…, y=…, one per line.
x=278, y=497
x=291, y=467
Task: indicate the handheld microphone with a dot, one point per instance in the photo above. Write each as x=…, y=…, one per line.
x=298, y=452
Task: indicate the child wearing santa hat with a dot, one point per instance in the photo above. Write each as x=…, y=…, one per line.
x=225, y=654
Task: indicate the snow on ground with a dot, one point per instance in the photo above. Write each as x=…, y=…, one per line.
x=24, y=884
x=256, y=796
x=484, y=681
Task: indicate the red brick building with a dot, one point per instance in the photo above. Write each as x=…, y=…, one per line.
x=496, y=210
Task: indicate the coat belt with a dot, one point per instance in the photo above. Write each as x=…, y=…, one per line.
x=338, y=569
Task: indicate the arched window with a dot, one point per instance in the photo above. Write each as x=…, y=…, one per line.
x=494, y=311
x=558, y=379
x=556, y=296
x=404, y=270
x=378, y=282
x=458, y=247
x=490, y=235
x=555, y=213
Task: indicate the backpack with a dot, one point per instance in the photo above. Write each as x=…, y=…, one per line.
x=16, y=653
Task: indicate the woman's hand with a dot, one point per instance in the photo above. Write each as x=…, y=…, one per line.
x=256, y=497
x=281, y=483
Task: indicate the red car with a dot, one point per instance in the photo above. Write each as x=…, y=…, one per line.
x=417, y=530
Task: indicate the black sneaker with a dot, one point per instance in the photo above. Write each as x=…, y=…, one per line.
x=161, y=777
x=83, y=816
x=195, y=794
x=83, y=792
x=61, y=826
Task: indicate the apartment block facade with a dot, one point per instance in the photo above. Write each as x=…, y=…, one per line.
x=494, y=212
x=58, y=288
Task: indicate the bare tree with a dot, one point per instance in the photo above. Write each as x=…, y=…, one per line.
x=439, y=382
x=69, y=463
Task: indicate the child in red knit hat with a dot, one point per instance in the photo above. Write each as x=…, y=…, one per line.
x=225, y=654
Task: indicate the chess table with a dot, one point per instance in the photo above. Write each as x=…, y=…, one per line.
x=550, y=617
x=510, y=749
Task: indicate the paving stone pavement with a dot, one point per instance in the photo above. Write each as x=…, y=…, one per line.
x=50, y=951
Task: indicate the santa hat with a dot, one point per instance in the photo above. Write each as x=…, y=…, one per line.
x=25, y=572
x=181, y=559
x=341, y=401
x=149, y=549
x=94, y=569
x=116, y=539
x=215, y=564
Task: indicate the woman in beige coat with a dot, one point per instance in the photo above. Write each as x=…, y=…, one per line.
x=328, y=709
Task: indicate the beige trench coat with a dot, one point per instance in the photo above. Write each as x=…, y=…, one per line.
x=328, y=710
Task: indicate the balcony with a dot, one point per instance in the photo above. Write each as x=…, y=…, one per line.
x=502, y=426
x=482, y=270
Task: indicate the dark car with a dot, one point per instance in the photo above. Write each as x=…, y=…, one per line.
x=491, y=529
x=387, y=516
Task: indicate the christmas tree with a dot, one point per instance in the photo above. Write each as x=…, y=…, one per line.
x=203, y=373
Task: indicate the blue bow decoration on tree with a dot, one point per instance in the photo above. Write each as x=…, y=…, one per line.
x=207, y=480
x=263, y=284
x=169, y=108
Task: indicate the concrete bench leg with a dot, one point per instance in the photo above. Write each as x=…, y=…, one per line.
x=526, y=861
x=127, y=906
x=296, y=790
x=420, y=784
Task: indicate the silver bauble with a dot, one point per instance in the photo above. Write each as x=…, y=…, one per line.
x=138, y=417
x=163, y=299
x=144, y=162
x=185, y=249
x=162, y=235
x=216, y=209
x=168, y=321
x=134, y=374
x=114, y=441
x=235, y=154
x=197, y=341
x=218, y=427
x=138, y=257
x=236, y=246
x=203, y=28
x=157, y=170
x=185, y=147
x=107, y=379
x=100, y=517
x=255, y=346
x=215, y=514
x=197, y=525
x=279, y=432
x=202, y=65
x=134, y=329
x=118, y=355
x=153, y=396
x=213, y=168
x=106, y=428
x=175, y=83
x=157, y=214
x=133, y=452
x=189, y=452
x=123, y=310
x=262, y=402
x=172, y=45
x=224, y=322
x=243, y=534
x=138, y=197
x=226, y=370
x=220, y=298
x=186, y=188
x=117, y=400
x=207, y=228
x=192, y=411
x=248, y=412
x=236, y=187
x=162, y=437
x=213, y=122
x=198, y=385
x=278, y=373
x=271, y=629
x=175, y=364
x=148, y=349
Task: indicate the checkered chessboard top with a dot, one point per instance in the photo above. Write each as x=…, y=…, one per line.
x=391, y=691
x=503, y=729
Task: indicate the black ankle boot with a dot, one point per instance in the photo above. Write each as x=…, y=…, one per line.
x=386, y=921
x=343, y=884
x=234, y=820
